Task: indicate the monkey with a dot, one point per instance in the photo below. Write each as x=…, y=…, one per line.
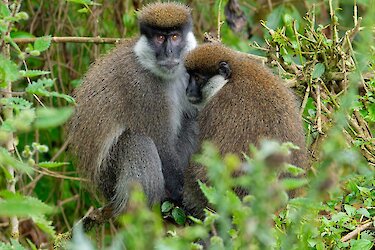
x=133, y=122
x=241, y=102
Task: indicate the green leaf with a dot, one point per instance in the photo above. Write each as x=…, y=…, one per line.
x=318, y=71
x=83, y=10
x=33, y=73
x=13, y=245
x=350, y=210
x=23, y=206
x=364, y=212
x=361, y=244
x=4, y=10
x=49, y=164
x=84, y=2
x=44, y=225
x=292, y=183
x=52, y=117
x=179, y=215
x=39, y=88
x=7, y=160
x=371, y=112
x=209, y=192
x=17, y=103
x=166, y=206
x=295, y=171
x=42, y=43
x=8, y=71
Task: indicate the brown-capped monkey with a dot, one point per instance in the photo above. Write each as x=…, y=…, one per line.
x=241, y=103
x=133, y=122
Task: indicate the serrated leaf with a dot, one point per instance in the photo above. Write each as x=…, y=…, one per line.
x=13, y=245
x=179, y=215
x=166, y=206
x=39, y=88
x=209, y=192
x=361, y=244
x=42, y=43
x=49, y=164
x=292, y=183
x=8, y=71
x=33, y=73
x=44, y=225
x=17, y=103
x=7, y=160
x=318, y=71
x=23, y=206
x=52, y=117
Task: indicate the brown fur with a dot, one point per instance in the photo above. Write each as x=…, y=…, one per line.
x=252, y=106
x=165, y=15
x=102, y=98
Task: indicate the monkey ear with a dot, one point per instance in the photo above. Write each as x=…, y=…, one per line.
x=224, y=70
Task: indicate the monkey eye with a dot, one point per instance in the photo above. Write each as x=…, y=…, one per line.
x=175, y=37
x=160, y=39
x=196, y=78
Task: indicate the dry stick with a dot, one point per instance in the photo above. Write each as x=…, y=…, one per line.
x=219, y=21
x=8, y=114
x=72, y=40
x=305, y=98
x=354, y=233
x=319, y=109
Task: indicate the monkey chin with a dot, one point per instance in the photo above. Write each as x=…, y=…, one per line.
x=169, y=72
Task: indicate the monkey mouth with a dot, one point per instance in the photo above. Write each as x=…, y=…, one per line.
x=169, y=65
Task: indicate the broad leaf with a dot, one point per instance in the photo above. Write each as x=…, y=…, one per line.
x=42, y=43
x=7, y=160
x=52, y=117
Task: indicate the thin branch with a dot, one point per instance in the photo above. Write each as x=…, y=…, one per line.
x=355, y=232
x=72, y=40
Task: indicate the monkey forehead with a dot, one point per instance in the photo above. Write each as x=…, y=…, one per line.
x=206, y=57
x=165, y=15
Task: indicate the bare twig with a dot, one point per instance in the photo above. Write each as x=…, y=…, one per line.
x=355, y=232
x=72, y=40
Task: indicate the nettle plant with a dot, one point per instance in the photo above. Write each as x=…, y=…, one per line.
x=22, y=110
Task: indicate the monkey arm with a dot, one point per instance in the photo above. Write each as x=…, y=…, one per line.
x=187, y=142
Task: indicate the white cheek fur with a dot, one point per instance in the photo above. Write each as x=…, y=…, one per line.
x=212, y=87
x=146, y=56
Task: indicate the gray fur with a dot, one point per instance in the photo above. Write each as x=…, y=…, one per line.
x=132, y=124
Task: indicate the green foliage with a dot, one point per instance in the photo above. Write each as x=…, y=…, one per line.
x=321, y=54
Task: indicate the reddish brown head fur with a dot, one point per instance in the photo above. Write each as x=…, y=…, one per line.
x=165, y=15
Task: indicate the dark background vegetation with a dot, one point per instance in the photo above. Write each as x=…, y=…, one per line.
x=323, y=50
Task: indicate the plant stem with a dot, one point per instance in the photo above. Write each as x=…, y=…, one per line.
x=8, y=114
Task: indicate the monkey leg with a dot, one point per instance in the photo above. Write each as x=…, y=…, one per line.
x=132, y=159
x=136, y=160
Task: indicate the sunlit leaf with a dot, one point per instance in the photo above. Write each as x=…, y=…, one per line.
x=52, y=117
x=7, y=160
x=48, y=164
x=42, y=43
x=23, y=206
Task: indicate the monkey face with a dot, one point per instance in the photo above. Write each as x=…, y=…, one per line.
x=167, y=45
x=203, y=86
